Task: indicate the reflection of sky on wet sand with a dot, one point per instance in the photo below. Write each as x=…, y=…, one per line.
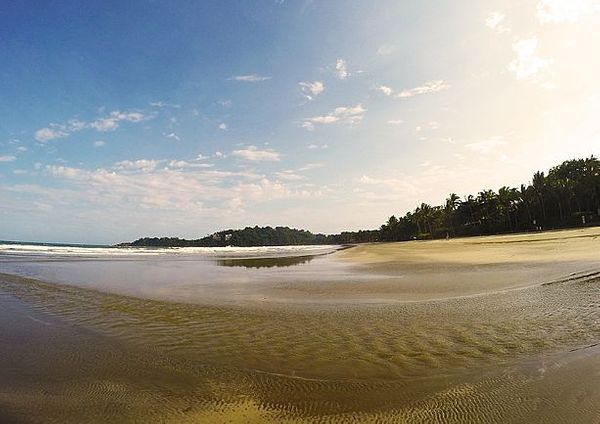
x=189, y=278
x=517, y=356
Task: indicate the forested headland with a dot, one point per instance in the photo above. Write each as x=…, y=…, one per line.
x=567, y=196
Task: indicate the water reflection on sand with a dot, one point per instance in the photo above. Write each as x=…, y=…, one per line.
x=456, y=361
x=304, y=339
x=265, y=262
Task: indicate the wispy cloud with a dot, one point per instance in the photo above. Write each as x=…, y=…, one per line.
x=347, y=115
x=250, y=78
x=179, y=186
x=172, y=136
x=46, y=134
x=388, y=91
x=252, y=153
x=161, y=104
x=486, y=146
x=311, y=89
x=296, y=174
x=495, y=21
x=222, y=126
x=560, y=11
x=111, y=122
x=341, y=69
x=183, y=164
x=138, y=165
x=8, y=158
x=107, y=123
x=99, y=143
x=426, y=88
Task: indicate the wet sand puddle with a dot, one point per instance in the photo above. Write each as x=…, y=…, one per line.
x=465, y=359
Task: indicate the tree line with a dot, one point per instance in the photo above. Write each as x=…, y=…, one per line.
x=259, y=236
x=568, y=196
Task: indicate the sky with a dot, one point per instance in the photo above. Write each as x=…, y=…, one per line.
x=180, y=118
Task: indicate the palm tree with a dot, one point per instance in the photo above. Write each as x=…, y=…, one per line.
x=539, y=183
x=452, y=203
x=507, y=198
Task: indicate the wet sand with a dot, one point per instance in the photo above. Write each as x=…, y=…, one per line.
x=81, y=354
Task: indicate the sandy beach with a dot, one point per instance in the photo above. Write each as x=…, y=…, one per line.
x=489, y=329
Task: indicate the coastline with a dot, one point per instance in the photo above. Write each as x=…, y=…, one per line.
x=68, y=349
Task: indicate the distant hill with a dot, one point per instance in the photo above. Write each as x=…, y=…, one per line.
x=258, y=236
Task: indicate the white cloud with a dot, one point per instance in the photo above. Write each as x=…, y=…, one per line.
x=137, y=165
x=161, y=104
x=46, y=134
x=494, y=21
x=182, y=164
x=561, y=11
x=428, y=87
x=64, y=171
x=99, y=143
x=395, y=121
x=289, y=176
x=111, y=122
x=253, y=154
x=388, y=91
x=312, y=89
x=21, y=149
x=250, y=78
x=310, y=166
x=341, y=69
x=527, y=64
x=108, y=123
x=143, y=185
x=397, y=184
x=226, y=103
x=317, y=146
x=223, y=126
x=486, y=146
x=295, y=174
x=172, y=136
x=347, y=115
x=8, y=158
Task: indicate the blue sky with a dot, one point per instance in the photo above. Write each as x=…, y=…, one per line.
x=128, y=119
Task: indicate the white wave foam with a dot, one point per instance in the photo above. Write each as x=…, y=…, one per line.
x=229, y=251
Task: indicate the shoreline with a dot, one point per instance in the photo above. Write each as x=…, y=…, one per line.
x=83, y=352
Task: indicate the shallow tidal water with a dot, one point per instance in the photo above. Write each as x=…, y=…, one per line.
x=76, y=354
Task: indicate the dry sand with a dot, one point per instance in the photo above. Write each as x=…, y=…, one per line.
x=439, y=269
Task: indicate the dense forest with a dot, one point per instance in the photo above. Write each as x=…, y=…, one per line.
x=568, y=196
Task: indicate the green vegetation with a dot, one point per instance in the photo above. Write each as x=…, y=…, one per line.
x=260, y=236
x=569, y=196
